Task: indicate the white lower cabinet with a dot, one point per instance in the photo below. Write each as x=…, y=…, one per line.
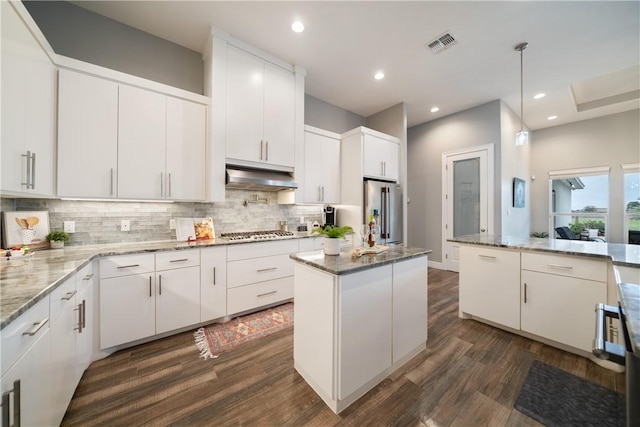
x=489, y=281
x=213, y=283
x=178, y=295
x=558, y=300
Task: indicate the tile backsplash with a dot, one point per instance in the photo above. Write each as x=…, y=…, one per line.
x=99, y=222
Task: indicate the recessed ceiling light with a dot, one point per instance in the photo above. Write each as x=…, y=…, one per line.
x=379, y=75
x=552, y=117
x=539, y=95
x=297, y=27
x=435, y=109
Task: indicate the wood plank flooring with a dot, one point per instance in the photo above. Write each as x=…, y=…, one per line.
x=469, y=375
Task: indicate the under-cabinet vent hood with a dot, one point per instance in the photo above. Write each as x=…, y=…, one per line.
x=259, y=179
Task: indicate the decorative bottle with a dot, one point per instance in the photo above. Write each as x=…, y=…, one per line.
x=372, y=223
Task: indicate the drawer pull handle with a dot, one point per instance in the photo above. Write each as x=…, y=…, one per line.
x=267, y=269
x=564, y=267
x=68, y=295
x=36, y=327
x=179, y=260
x=80, y=311
x=6, y=400
x=267, y=293
x=88, y=277
x=214, y=276
x=128, y=266
x=486, y=256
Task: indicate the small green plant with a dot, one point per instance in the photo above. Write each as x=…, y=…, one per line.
x=540, y=234
x=57, y=236
x=334, y=232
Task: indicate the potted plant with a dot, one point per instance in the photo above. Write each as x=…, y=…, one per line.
x=332, y=236
x=57, y=238
x=539, y=234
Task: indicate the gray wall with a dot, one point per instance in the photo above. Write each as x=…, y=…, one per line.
x=321, y=114
x=426, y=144
x=80, y=34
x=99, y=222
x=606, y=141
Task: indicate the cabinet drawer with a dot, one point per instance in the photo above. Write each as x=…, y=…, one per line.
x=255, y=250
x=84, y=277
x=16, y=339
x=583, y=268
x=177, y=259
x=247, y=297
x=126, y=265
x=255, y=270
x=61, y=297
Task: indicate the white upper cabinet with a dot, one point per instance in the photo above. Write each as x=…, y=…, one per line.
x=87, y=136
x=141, y=144
x=28, y=109
x=381, y=157
x=186, y=127
x=321, y=166
x=260, y=111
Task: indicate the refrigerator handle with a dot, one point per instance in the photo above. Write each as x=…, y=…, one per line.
x=387, y=224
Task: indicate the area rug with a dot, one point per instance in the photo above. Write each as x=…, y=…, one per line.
x=554, y=397
x=215, y=339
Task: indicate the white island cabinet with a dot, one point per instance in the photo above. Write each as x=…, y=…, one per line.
x=357, y=320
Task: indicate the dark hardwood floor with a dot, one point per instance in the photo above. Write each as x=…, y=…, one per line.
x=469, y=375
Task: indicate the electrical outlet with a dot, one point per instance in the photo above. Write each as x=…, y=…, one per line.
x=172, y=224
x=70, y=226
x=125, y=225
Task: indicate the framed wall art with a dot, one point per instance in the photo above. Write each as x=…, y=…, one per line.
x=25, y=228
x=518, y=193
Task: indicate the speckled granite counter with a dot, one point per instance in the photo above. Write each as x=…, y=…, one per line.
x=344, y=264
x=25, y=282
x=630, y=302
x=620, y=254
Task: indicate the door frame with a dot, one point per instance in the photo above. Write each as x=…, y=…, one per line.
x=489, y=150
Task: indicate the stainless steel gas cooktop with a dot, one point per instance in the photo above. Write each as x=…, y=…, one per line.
x=257, y=235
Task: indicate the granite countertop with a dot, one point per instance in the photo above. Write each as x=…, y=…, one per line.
x=24, y=282
x=630, y=302
x=345, y=264
x=620, y=254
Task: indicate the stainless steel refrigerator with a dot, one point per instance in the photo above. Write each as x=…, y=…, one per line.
x=384, y=201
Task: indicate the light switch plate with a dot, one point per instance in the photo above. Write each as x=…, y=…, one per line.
x=70, y=226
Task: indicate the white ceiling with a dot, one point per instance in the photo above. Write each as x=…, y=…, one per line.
x=573, y=43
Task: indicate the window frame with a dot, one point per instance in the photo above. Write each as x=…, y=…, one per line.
x=627, y=168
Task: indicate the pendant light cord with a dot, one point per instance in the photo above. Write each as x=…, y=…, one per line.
x=520, y=48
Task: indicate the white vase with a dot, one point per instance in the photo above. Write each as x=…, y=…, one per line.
x=57, y=244
x=331, y=246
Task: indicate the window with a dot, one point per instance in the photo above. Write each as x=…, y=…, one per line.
x=580, y=204
x=632, y=203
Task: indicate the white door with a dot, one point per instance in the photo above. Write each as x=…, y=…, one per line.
x=467, y=198
x=279, y=115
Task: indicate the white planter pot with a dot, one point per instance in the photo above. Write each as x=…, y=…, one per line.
x=57, y=244
x=331, y=246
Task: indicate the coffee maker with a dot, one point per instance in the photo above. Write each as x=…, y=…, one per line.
x=329, y=216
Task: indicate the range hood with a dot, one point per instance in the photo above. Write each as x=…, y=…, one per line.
x=259, y=179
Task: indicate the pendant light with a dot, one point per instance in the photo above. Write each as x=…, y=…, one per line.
x=522, y=137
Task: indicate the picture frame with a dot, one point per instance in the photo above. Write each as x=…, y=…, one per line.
x=518, y=193
x=16, y=226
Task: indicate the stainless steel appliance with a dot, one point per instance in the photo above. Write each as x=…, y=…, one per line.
x=330, y=216
x=250, y=236
x=383, y=200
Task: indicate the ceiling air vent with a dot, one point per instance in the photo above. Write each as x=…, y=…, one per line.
x=441, y=43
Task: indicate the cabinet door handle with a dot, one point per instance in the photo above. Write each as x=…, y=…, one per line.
x=149, y=286
x=169, y=184
x=179, y=260
x=318, y=195
x=6, y=400
x=88, y=277
x=128, y=266
x=111, y=184
x=159, y=284
x=261, y=148
x=214, y=276
x=486, y=256
x=161, y=184
x=33, y=171
x=28, y=183
x=36, y=327
x=266, y=156
x=79, y=310
x=381, y=168
x=266, y=293
x=564, y=267
x=525, y=293
x=323, y=193
x=384, y=168
x=84, y=313
x=68, y=295
x=267, y=269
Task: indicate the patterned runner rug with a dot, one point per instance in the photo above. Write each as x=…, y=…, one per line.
x=215, y=339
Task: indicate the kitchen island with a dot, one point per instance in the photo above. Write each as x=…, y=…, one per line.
x=357, y=319
x=543, y=288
